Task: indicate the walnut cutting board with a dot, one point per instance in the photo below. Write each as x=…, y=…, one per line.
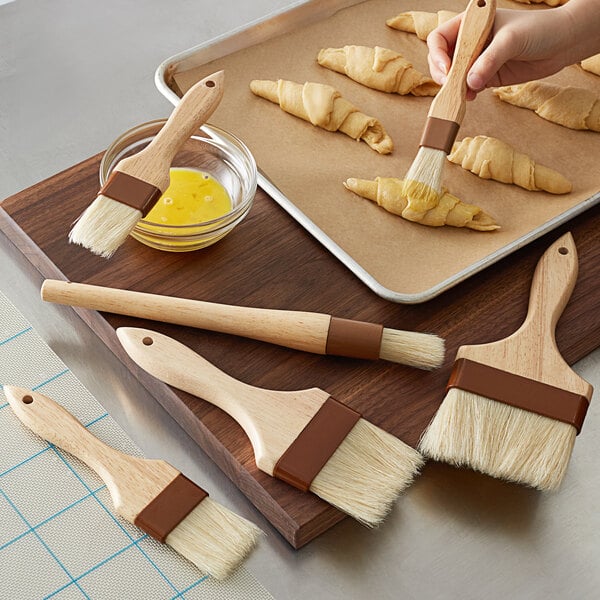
x=270, y=261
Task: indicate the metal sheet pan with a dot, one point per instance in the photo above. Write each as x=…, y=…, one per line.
x=297, y=15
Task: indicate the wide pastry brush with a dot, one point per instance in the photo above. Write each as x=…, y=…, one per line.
x=423, y=182
x=138, y=181
x=304, y=437
x=514, y=406
x=148, y=493
x=307, y=331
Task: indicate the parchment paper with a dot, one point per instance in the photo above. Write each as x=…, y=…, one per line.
x=309, y=164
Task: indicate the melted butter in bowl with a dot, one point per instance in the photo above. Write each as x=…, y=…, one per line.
x=213, y=182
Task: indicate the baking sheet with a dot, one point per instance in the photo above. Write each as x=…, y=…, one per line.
x=303, y=167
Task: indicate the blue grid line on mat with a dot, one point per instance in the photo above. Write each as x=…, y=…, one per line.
x=40, y=539
x=118, y=523
x=32, y=529
x=47, y=519
x=16, y=335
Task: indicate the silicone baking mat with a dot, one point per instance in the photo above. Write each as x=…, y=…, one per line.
x=58, y=535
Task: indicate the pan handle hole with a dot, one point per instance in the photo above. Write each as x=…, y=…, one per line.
x=147, y=341
x=27, y=399
x=563, y=250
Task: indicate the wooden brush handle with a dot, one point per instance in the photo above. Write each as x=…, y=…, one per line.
x=271, y=419
x=294, y=329
x=152, y=164
x=551, y=287
x=450, y=102
x=132, y=482
x=532, y=351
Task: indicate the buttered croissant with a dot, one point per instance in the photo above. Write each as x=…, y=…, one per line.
x=573, y=107
x=420, y=22
x=323, y=106
x=592, y=64
x=378, y=68
x=386, y=192
x=491, y=158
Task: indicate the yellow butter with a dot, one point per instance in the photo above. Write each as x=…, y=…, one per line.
x=193, y=197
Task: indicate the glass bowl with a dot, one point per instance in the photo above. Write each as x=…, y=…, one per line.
x=211, y=150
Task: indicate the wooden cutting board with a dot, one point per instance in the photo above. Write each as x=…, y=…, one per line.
x=270, y=261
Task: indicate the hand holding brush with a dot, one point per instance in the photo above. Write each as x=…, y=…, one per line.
x=138, y=181
x=423, y=182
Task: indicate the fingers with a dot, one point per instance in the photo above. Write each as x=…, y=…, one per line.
x=441, y=43
x=484, y=71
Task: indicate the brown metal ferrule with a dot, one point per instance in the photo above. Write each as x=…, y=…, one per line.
x=315, y=444
x=520, y=392
x=131, y=191
x=170, y=507
x=439, y=134
x=355, y=339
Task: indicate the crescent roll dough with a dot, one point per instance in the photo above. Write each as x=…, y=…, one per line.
x=324, y=107
x=386, y=192
x=378, y=68
x=573, y=107
x=592, y=64
x=420, y=22
x=491, y=158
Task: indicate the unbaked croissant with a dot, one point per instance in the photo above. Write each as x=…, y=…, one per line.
x=491, y=158
x=592, y=64
x=386, y=191
x=420, y=22
x=378, y=68
x=323, y=106
x=573, y=107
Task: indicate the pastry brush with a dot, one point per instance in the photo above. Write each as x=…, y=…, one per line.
x=514, y=406
x=138, y=181
x=307, y=331
x=423, y=182
x=148, y=493
x=306, y=438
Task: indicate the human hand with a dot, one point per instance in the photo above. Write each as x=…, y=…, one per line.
x=523, y=45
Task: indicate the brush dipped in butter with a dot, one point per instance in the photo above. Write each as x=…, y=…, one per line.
x=192, y=197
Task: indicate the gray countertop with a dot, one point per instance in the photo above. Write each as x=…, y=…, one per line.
x=75, y=74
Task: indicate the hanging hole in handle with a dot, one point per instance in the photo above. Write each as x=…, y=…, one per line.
x=481, y=3
x=27, y=399
x=210, y=83
x=562, y=250
x=147, y=341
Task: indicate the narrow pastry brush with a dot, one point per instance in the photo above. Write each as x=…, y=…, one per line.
x=138, y=181
x=305, y=437
x=514, y=406
x=151, y=494
x=307, y=331
x=423, y=182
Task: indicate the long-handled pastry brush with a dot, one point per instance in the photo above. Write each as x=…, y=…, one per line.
x=148, y=493
x=307, y=331
x=137, y=181
x=423, y=182
x=514, y=406
x=305, y=437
